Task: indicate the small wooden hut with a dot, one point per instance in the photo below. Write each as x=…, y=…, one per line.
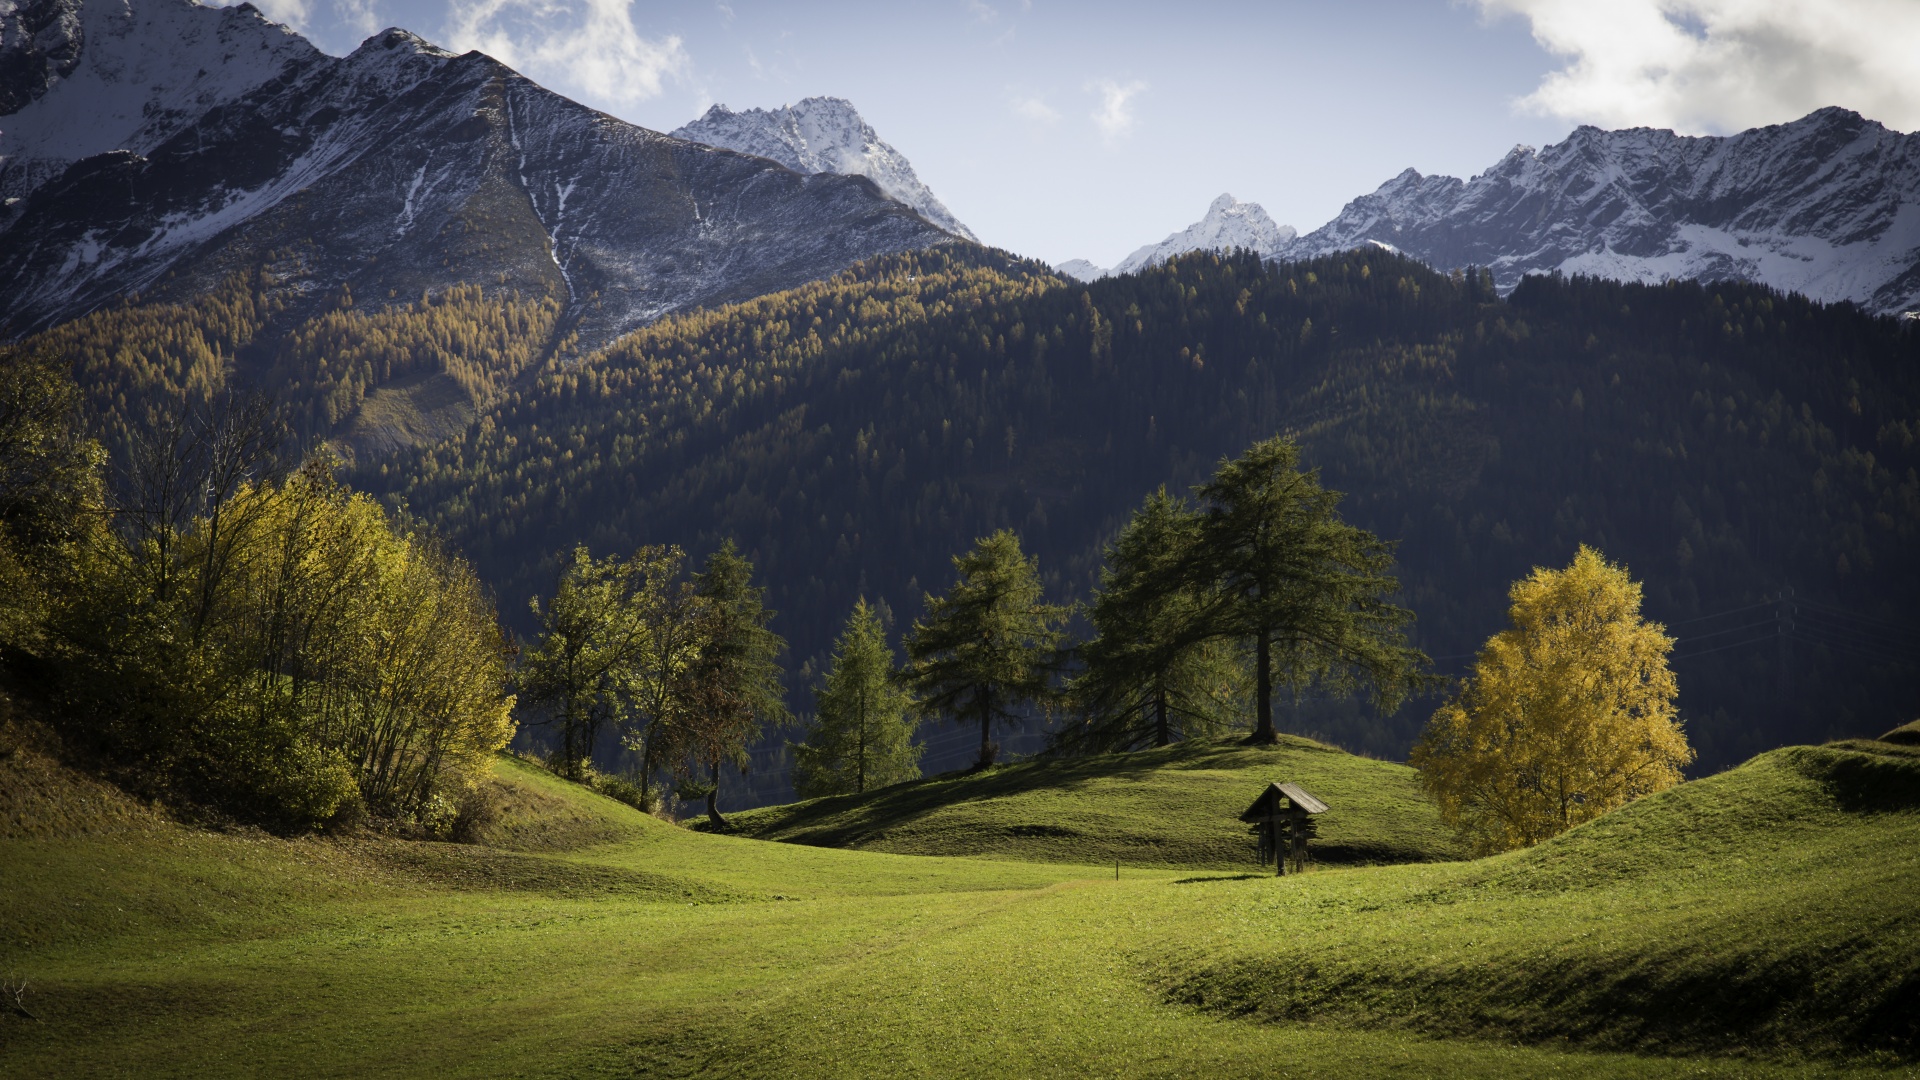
x=1283, y=817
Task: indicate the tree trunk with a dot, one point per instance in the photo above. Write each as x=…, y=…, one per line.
x=1163, y=734
x=646, y=766
x=986, y=731
x=713, y=797
x=860, y=762
x=1263, y=702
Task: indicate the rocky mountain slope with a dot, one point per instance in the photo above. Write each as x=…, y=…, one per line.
x=822, y=135
x=229, y=143
x=1827, y=206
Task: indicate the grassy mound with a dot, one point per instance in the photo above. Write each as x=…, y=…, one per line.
x=1905, y=734
x=1757, y=911
x=1740, y=921
x=1178, y=806
x=534, y=810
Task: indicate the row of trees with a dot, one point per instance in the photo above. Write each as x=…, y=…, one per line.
x=1204, y=610
x=686, y=671
x=229, y=635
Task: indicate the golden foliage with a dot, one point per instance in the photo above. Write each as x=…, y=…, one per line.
x=1568, y=714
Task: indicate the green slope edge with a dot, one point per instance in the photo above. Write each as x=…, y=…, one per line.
x=1176, y=806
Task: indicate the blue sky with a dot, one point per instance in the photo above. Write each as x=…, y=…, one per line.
x=1064, y=130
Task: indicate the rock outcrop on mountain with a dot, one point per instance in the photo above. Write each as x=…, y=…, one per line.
x=1827, y=206
x=822, y=135
x=226, y=142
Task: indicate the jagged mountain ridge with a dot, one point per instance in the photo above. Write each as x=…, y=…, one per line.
x=398, y=168
x=1827, y=206
x=822, y=135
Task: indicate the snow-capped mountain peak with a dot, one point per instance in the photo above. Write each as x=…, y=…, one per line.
x=176, y=144
x=84, y=77
x=1080, y=270
x=1229, y=223
x=822, y=135
x=1827, y=205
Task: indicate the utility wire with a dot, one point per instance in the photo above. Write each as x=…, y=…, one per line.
x=1722, y=614
x=1723, y=633
x=1724, y=648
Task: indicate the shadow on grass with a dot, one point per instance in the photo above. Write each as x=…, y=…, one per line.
x=1218, y=877
x=849, y=820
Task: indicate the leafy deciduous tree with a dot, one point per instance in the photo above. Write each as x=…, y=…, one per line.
x=732, y=684
x=1568, y=714
x=591, y=639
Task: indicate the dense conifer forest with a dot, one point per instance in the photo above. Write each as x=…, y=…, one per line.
x=1725, y=442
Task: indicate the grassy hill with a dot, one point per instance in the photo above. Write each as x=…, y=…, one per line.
x=1753, y=924
x=1178, y=806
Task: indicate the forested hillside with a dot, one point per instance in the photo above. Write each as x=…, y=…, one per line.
x=1725, y=442
x=371, y=377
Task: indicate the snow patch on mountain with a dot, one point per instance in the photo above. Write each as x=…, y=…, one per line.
x=822, y=135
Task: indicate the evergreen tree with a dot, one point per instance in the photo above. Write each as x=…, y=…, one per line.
x=1284, y=574
x=864, y=735
x=991, y=645
x=1152, y=670
x=732, y=686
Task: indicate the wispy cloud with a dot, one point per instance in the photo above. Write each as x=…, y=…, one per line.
x=1114, y=117
x=1723, y=65
x=359, y=14
x=986, y=13
x=1035, y=109
x=592, y=46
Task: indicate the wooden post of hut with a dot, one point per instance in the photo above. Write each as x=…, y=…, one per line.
x=1283, y=815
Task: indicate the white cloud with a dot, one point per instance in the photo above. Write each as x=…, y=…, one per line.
x=1035, y=109
x=591, y=47
x=359, y=15
x=1723, y=65
x=984, y=12
x=1114, y=117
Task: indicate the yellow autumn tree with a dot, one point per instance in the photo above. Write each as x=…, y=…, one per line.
x=1568, y=713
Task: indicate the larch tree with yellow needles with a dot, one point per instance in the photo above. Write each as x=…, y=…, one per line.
x=1568, y=713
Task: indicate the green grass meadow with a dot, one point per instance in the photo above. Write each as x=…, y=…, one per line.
x=1754, y=924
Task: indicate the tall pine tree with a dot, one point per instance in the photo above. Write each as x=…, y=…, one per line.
x=1305, y=590
x=1153, y=672
x=991, y=645
x=864, y=735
